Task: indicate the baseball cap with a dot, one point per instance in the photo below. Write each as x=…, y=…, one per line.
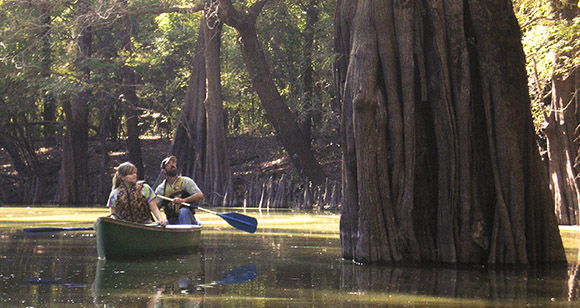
x=167, y=160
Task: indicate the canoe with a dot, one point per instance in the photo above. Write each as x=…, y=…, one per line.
x=117, y=239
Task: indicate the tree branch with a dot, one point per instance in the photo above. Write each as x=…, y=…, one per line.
x=256, y=8
x=230, y=16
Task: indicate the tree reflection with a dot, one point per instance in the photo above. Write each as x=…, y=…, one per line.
x=574, y=280
x=501, y=286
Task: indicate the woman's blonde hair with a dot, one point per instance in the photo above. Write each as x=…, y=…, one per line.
x=123, y=170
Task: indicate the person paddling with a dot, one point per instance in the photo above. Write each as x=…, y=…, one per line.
x=131, y=200
x=181, y=189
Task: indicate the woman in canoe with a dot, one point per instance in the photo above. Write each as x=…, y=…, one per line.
x=132, y=201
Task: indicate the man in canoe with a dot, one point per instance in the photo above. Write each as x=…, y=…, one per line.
x=181, y=189
x=130, y=200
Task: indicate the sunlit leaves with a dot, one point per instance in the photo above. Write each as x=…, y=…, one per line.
x=552, y=47
x=164, y=35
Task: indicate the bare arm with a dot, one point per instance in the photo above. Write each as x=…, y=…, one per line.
x=153, y=207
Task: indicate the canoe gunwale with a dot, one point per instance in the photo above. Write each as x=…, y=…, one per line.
x=146, y=227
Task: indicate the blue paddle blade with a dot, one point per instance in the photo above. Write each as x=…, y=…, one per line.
x=55, y=230
x=240, y=221
x=239, y=274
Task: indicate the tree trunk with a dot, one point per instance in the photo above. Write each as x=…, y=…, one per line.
x=103, y=184
x=563, y=131
x=563, y=134
x=20, y=148
x=439, y=158
x=293, y=139
x=130, y=96
x=189, y=142
x=73, y=182
x=217, y=171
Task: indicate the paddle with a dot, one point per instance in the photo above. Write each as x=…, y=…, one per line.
x=239, y=274
x=236, y=220
x=55, y=230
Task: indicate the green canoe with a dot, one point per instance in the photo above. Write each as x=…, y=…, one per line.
x=117, y=239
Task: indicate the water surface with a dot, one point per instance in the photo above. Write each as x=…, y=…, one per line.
x=293, y=260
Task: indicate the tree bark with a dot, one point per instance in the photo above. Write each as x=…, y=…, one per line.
x=563, y=130
x=293, y=139
x=439, y=158
x=563, y=134
x=217, y=171
x=189, y=143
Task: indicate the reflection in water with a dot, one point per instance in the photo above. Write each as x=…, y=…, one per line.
x=239, y=274
x=40, y=281
x=148, y=283
x=296, y=254
x=478, y=286
x=44, y=270
x=574, y=281
x=142, y=283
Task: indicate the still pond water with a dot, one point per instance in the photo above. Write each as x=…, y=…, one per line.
x=293, y=260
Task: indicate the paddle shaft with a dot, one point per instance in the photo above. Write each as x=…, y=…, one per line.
x=54, y=230
x=236, y=220
x=65, y=229
x=188, y=205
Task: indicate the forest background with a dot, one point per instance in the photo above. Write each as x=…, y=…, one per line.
x=118, y=79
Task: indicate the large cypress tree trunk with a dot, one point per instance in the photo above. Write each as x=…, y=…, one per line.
x=189, y=141
x=563, y=129
x=439, y=158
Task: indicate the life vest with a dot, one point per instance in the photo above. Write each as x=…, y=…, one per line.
x=131, y=205
x=173, y=191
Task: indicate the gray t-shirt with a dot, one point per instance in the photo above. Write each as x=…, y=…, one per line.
x=187, y=184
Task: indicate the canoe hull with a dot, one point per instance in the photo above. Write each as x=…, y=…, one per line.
x=118, y=239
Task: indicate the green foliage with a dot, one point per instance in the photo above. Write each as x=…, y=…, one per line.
x=281, y=31
x=241, y=103
x=36, y=34
x=552, y=47
x=21, y=56
x=163, y=60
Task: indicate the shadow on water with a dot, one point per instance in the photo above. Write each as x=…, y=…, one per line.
x=293, y=260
